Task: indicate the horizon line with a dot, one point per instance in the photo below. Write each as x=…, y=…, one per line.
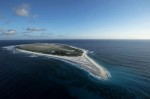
x=68, y=39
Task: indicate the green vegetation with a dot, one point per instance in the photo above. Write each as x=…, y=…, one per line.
x=54, y=49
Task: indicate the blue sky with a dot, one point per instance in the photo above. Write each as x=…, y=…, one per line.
x=74, y=19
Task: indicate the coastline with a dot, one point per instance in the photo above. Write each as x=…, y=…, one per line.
x=85, y=62
x=97, y=65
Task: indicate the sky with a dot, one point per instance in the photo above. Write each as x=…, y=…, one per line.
x=74, y=19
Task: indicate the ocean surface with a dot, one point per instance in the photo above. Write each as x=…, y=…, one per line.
x=26, y=76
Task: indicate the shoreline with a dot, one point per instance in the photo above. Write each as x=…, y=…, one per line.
x=85, y=62
x=96, y=64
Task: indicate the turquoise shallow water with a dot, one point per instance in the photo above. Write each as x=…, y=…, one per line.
x=24, y=76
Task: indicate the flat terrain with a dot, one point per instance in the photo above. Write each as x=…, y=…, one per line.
x=69, y=53
x=54, y=49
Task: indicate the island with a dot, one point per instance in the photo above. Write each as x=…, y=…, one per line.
x=67, y=53
x=54, y=49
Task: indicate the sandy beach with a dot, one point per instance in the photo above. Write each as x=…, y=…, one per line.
x=84, y=62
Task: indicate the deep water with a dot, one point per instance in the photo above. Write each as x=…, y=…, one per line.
x=25, y=76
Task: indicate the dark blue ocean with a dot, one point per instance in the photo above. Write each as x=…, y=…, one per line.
x=25, y=76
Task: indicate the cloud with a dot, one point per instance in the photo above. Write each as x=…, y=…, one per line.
x=23, y=10
x=27, y=35
x=25, y=32
x=8, y=32
x=33, y=36
x=35, y=29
